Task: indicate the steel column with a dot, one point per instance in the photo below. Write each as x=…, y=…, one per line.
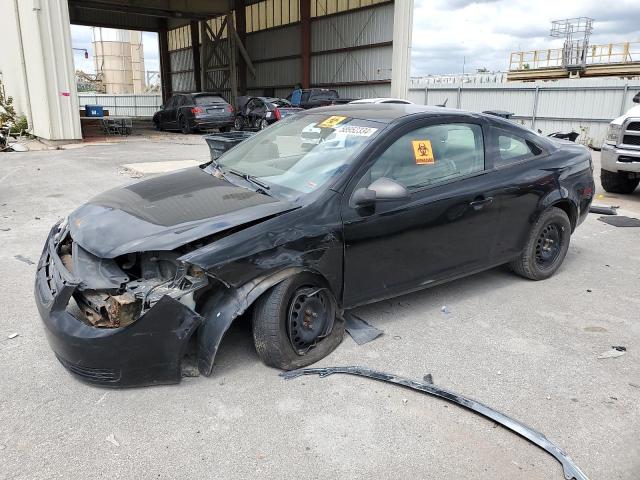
x=165, y=63
x=305, y=29
x=195, y=50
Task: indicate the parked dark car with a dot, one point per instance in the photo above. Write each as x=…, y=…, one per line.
x=260, y=112
x=318, y=97
x=386, y=200
x=188, y=112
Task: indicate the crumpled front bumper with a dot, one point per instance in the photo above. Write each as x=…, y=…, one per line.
x=146, y=352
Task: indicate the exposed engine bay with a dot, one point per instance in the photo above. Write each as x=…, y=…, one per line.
x=116, y=292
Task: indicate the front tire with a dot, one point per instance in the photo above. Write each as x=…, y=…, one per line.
x=546, y=246
x=617, y=182
x=238, y=123
x=295, y=323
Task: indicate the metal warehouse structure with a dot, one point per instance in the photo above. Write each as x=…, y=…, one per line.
x=260, y=47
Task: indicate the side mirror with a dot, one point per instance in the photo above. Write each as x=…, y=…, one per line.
x=161, y=107
x=636, y=99
x=382, y=190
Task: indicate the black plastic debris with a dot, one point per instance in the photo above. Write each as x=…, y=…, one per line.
x=602, y=210
x=360, y=331
x=570, y=469
x=24, y=259
x=620, y=221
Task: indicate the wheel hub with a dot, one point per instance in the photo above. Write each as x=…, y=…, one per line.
x=308, y=318
x=548, y=245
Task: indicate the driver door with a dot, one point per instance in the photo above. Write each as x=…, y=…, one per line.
x=445, y=227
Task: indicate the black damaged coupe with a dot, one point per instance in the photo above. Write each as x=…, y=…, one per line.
x=323, y=211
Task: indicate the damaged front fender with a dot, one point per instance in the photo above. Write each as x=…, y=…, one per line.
x=225, y=306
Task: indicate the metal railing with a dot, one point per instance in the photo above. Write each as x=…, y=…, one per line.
x=611, y=53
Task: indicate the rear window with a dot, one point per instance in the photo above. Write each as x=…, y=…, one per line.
x=329, y=94
x=209, y=99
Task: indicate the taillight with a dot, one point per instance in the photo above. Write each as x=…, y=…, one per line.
x=229, y=108
x=277, y=113
x=197, y=110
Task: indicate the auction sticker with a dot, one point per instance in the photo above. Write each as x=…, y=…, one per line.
x=332, y=121
x=357, y=131
x=422, y=152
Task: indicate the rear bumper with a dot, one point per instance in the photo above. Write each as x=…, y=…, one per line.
x=615, y=159
x=213, y=122
x=146, y=352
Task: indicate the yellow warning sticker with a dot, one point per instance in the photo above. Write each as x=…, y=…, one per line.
x=422, y=152
x=331, y=122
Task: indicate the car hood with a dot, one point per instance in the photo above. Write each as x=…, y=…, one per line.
x=167, y=211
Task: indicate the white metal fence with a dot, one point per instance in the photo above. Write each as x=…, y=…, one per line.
x=128, y=105
x=585, y=106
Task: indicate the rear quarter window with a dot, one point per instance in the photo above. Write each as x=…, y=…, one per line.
x=513, y=148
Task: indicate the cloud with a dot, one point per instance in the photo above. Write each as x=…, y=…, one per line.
x=482, y=34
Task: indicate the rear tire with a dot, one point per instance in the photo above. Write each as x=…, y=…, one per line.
x=184, y=125
x=263, y=124
x=279, y=307
x=546, y=246
x=616, y=182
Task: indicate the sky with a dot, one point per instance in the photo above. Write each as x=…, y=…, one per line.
x=450, y=35
x=81, y=37
x=482, y=33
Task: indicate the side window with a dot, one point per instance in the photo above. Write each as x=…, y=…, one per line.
x=181, y=101
x=171, y=103
x=513, y=149
x=431, y=155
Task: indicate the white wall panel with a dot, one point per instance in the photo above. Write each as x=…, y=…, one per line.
x=585, y=106
x=359, y=27
x=354, y=66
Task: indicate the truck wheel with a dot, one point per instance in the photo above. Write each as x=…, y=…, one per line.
x=295, y=323
x=184, y=125
x=617, y=182
x=546, y=246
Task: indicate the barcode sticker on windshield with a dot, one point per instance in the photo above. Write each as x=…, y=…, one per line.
x=331, y=122
x=357, y=131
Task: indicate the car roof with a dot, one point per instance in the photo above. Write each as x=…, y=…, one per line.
x=380, y=100
x=387, y=112
x=202, y=94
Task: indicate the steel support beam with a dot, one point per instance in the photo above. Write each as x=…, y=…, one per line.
x=241, y=31
x=165, y=63
x=195, y=50
x=305, y=41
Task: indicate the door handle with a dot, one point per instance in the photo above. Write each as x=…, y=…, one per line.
x=480, y=202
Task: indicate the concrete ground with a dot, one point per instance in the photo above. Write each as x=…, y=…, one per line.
x=526, y=348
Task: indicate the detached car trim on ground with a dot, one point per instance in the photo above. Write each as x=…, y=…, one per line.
x=325, y=210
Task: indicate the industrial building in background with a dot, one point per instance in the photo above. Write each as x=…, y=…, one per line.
x=256, y=47
x=119, y=60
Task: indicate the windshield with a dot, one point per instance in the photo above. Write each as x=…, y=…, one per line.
x=300, y=154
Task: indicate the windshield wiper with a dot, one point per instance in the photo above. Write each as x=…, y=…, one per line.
x=251, y=179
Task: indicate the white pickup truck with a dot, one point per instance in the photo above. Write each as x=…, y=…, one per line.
x=620, y=172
